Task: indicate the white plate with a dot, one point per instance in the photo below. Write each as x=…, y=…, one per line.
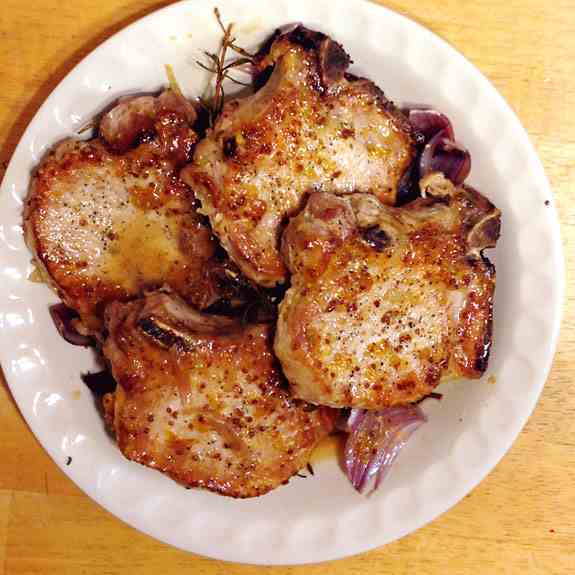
x=468, y=432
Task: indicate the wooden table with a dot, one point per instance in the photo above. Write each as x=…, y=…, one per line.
x=521, y=519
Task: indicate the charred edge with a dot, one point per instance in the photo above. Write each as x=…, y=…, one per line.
x=248, y=311
x=332, y=59
x=261, y=79
x=490, y=230
x=309, y=40
x=144, y=137
x=408, y=187
x=230, y=147
x=489, y=267
x=483, y=349
x=202, y=123
x=478, y=261
x=483, y=352
x=259, y=312
x=481, y=211
x=310, y=407
x=482, y=233
x=494, y=229
x=267, y=45
x=438, y=200
x=237, y=294
x=163, y=337
x=377, y=238
x=432, y=395
x=99, y=383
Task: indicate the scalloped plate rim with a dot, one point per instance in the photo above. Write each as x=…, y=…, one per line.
x=35, y=424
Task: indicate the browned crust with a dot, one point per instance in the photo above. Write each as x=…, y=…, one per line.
x=59, y=161
x=331, y=60
x=157, y=360
x=331, y=64
x=222, y=171
x=437, y=237
x=89, y=294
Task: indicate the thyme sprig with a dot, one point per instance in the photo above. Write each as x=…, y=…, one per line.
x=217, y=65
x=231, y=40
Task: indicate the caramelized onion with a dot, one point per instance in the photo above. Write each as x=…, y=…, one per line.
x=375, y=440
x=64, y=319
x=429, y=122
x=442, y=154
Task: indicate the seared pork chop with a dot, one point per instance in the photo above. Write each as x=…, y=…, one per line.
x=201, y=399
x=387, y=302
x=107, y=220
x=311, y=127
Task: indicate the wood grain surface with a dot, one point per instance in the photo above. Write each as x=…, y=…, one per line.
x=521, y=519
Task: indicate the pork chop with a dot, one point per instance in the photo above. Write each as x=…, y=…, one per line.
x=310, y=127
x=109, y=218
x=200, y=398
x=387, y=302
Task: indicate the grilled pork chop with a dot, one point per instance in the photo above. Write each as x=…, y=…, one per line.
x=108, y=218
x=387, y=302
x=200, y=398
x=311, y=127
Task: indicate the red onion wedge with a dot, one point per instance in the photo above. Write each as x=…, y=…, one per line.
x=64, y=318
x=375, y=440
x=442, y=154
x=429, y=122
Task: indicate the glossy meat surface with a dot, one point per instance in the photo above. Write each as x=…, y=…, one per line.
x=310, y=127
x=109, y=218
x=387, y=302
x=200, y=398
x=167, y=116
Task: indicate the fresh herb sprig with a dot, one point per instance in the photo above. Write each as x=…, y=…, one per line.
x=217, y=65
